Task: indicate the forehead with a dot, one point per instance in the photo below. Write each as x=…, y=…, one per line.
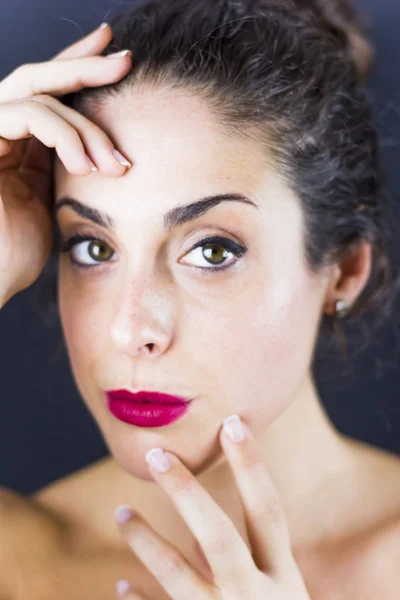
x=180, y=151
x=173, y=127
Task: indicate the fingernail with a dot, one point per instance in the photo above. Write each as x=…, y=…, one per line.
x=118, y=54
x=121, y=159
x=122, y=586
x=103, y=25
x=91, y=163
x=123, y=513
x=158, y=460
x=233, y=427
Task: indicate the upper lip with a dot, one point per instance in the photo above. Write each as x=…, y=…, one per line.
x=147, y=397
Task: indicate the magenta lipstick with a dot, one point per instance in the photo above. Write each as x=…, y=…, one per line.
x=146, y=409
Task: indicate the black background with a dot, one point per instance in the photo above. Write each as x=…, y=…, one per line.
x=45, y=428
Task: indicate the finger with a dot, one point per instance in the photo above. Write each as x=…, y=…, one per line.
x=225, y=550
x=89, y=45
x=97, y=143
x=125, y=591
x=265, y=517
x=62, y=76
x=179, y=579
x=132, y=596
x=24, y=119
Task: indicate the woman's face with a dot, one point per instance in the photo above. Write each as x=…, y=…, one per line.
x=238, y=340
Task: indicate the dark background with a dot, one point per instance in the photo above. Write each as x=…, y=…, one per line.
x=45, y=428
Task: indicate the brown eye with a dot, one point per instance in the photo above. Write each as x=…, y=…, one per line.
x=88, y=253
x=99, y=250
x=214, y=253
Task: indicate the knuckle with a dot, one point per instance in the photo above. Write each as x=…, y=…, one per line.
x=220, y=541
x=104, y=139
x=183, y=483
x=82, y=124
x=23, y=73
x=45, y=98
x=21, y=69
x=169, y=563
x=33, y=107
x=273, y=511
x=252, y=461
x=95, y=130
x=71, y=136
x=132, y=528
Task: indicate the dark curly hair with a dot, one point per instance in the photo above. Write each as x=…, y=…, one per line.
x=290, y=74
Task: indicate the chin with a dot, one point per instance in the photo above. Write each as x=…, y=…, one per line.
x=130, y=455
x=136, y=467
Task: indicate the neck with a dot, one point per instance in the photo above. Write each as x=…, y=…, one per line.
x=306, y=457
x=309, y=462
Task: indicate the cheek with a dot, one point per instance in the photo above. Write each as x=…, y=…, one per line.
x=82, y=328
x=265, y=346
x=249, y=352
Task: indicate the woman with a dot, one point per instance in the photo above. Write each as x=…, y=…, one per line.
x=242, y=218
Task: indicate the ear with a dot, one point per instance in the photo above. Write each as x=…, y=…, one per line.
x=349, y=277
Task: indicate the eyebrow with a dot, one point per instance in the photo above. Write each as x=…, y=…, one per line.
x=173, y=218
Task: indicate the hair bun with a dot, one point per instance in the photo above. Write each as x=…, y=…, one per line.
x=342, y=20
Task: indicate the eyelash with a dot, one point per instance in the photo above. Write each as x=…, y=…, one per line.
x=67, y=245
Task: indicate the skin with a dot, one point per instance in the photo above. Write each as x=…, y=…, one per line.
x=339, y=496
x=266, y=311
x=145, y=294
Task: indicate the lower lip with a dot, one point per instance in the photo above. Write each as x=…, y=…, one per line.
x=146, y=415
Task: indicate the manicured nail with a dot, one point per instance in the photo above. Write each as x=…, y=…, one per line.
x=121, y=159
x=103, y=25
x=233, y=427
x=158, y=460
x=123, y=586
x=91, y=163
x=123, y=513
x=118, y=54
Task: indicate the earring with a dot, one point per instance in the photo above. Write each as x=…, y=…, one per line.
x=342, y=308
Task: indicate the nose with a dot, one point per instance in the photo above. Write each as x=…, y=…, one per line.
x=142, y=322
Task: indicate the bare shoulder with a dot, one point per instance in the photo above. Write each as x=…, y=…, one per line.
x=382, y=556
x=45, y=554
x=364, y=562
x=7, y=509
x=386, y=549
x=380, y=567
x=20, y=514
x=28, y=535
x=363, y=567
